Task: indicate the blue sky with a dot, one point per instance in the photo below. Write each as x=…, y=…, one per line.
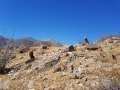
x=66, y=21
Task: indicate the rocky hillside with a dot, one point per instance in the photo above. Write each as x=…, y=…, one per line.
x=90, y=66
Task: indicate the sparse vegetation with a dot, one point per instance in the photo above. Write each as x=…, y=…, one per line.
x=51, y=43
x=61, y=68
x=6, y=54
x=106, y=36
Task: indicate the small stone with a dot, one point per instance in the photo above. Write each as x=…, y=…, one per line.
x=72, y=89
x=56, y=69
x=30, y=84
x=84, y=79
x=77, y=81
x=46, y=85
x=87, y=83
x=80, y=76
x=93, y=84
x=80, y=84
x=69, y=53
x=72, y=75
x=63, y=74
x=32, y=89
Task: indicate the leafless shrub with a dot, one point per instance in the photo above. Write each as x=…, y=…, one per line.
x=24, y=48
x=106, y=36
x=5, y=54
x=51, y=42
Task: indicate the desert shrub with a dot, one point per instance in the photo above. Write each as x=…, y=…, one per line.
x=51, y=42
x=5, y=55
x=25, y=47
x=104, y=37
x=6, y=51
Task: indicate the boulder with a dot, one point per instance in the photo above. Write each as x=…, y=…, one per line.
x=86, y=40
x=44, y=47
x=71, y=48
x=115, y=38
x=57, y=69
x=21, y=51
x=69, y=54
x=104, y=56
x=31, y=54
x=109, y=57
x=92, y=47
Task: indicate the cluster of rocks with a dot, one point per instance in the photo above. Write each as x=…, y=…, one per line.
x=75, y=67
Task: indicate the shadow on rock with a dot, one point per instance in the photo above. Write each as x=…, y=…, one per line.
x=5, y=70
x=30, y=60
x=12, y=69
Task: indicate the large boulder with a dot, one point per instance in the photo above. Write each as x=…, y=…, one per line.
x=104, y=56
x=92, y=47
x=71, y=48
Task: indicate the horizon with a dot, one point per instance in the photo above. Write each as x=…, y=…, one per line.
x=65, y=21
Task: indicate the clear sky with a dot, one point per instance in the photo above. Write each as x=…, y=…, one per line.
x=66, y=21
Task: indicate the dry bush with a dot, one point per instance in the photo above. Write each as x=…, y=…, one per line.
x=51, y=43
x=104, y=37
x=6, y=52
x=25, y=47
x=5, y=56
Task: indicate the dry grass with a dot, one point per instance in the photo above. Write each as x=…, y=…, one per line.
x=109, y=71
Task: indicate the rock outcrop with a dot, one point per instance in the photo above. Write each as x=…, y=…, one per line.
x=62, y=69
